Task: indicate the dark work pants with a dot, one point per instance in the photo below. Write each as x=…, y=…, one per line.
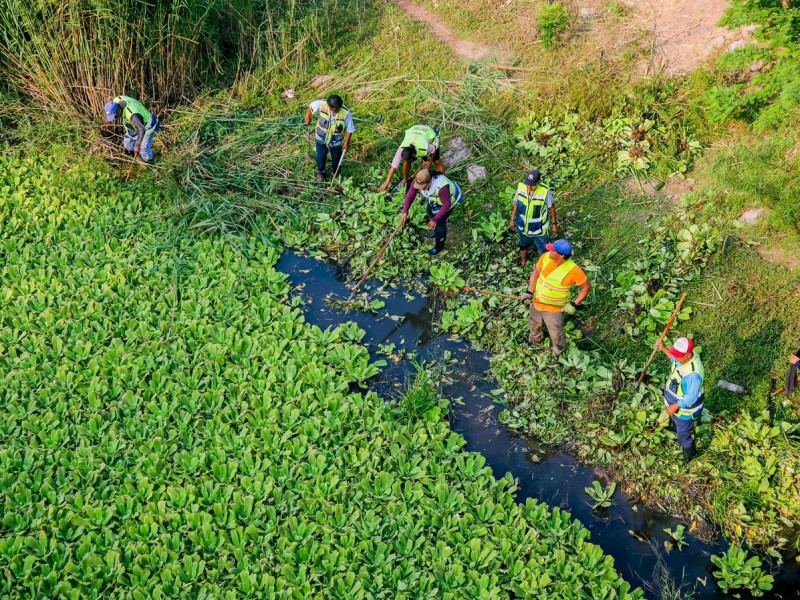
x=322, y=156
x=441, y=226
x=684, y=427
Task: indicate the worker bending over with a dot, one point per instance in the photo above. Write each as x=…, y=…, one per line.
x=419, y=141
x=441, y=195
x=139, y=124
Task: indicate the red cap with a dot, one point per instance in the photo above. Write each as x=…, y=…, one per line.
x=681, y=347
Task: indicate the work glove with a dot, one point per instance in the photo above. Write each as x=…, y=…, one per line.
x=569, y=309
x=526, y=297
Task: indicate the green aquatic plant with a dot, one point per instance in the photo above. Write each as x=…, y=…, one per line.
x=601, y=496
x=447, y=278
x=736, y=570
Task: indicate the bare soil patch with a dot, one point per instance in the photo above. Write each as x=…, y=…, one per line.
x=685, y=32
x=463, y=48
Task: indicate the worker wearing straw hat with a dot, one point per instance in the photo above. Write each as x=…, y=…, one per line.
x=139, y=124
x=683, y=394
x=334, y=128
x=441, y=195
x=549, y=289
x=419, y=141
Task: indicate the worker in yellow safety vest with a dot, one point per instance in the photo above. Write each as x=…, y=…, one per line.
x=335, y=126
x=533, y=215
x=683, y=394
x=549, y=289
x=420, y=141
x=140, y=125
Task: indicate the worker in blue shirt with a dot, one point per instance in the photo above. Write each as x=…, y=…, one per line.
x=683, y=394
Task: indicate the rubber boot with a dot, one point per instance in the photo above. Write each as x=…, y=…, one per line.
x=431, y=235
x=688, y=453
x=438, y=247
x=320, y=177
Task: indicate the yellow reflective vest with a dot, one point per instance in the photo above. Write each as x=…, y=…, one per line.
x=330, y=127
x=550, y=290
x=533, y=217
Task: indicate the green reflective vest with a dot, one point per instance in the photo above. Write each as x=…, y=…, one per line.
x=551, y=290
x=330, y=127
x=431, y=195
x=533, y=216
x=420, y=137
x=133, y=107
x=674, y=390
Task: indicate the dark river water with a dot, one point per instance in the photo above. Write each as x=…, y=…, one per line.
x=631, y=533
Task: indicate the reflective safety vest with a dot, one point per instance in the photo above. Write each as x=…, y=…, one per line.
x=330, y=127
x=674, y=390
x=550, y=290
x=134, y=107
x=431, y=195
x=420, y=137
x=532, y=214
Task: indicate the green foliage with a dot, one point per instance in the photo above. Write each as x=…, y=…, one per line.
x=495, y=227
x=553, y=20
x=737, y=571
x=601, y=496
x=447, y=278
x=678, y=536
x=173, y=427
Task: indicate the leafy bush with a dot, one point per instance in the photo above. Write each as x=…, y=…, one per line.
x=553, y=21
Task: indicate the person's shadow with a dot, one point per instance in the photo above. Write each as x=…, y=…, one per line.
x=754, y=358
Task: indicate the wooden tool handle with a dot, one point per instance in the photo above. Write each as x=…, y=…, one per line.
x=661, y=338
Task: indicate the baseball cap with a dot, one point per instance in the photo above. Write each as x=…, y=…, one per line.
x=681, y=347
x=422, y=179
x=532, y=178
x=111, y=109
x=563, y=247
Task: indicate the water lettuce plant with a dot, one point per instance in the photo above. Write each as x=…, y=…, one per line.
x=174, y=428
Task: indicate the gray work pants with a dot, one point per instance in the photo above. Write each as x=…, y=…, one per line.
x=555, y=327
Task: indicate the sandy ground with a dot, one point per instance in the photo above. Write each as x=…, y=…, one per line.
x=685, y=32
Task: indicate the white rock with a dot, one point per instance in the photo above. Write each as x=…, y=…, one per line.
x=456, y=153
x=753, y=215
x=736, y=45
x=475, y=172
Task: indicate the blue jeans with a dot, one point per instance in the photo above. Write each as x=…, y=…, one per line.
x=146, y=149
x=322, y=156
x=540, y=241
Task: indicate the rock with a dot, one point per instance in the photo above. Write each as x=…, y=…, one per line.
x=753, y=215
x=456, y=153
x=716, y=42
x=475, y=172
x=736, y=45
x=289, y=94
x=361, y=93
x=320, y=81
x=756, y=66
x=749, y=30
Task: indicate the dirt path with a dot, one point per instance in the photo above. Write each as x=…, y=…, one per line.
x=463, y=48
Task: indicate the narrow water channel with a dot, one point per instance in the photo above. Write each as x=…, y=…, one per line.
x=631, y=533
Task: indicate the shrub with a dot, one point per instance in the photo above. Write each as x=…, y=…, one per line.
x=554, y=20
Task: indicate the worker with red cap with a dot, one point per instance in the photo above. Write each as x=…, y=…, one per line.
x=683, y=394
